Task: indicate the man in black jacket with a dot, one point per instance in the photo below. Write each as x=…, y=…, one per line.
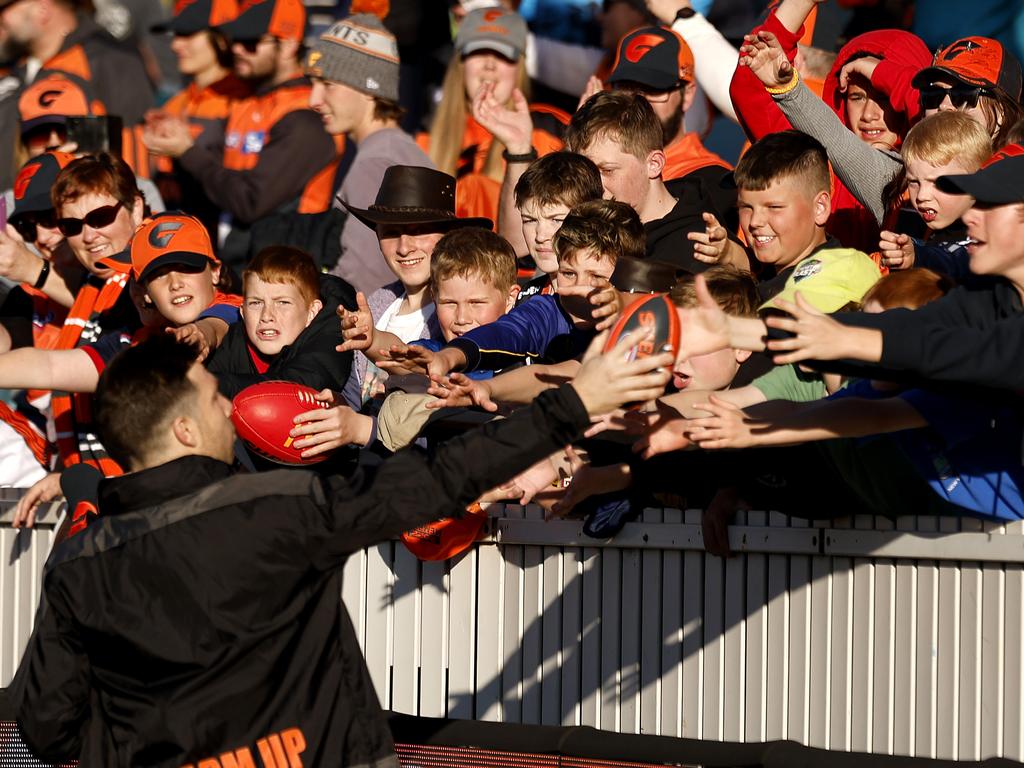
x=198, y=620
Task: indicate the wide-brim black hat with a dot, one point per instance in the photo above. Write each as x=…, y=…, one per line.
x=411, y=194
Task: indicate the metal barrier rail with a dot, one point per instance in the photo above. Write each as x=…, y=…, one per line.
x=869, y=635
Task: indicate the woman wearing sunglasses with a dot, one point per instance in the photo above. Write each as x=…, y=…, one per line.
x=979, y=77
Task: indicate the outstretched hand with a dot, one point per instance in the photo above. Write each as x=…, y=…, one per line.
x=763, y=55
x=726, y=426
x=705, y=326
x=662, y=431
x=609, y=380
x=816, y=336
x=356, y=326
x=456, y=390
x=43, y=491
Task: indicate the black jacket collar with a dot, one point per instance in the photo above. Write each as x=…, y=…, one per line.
x=156, y=485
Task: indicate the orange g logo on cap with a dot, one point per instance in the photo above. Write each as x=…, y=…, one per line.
x=167, y=239
x=640, y=45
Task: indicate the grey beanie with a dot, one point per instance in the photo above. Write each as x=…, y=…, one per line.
x=358, y=52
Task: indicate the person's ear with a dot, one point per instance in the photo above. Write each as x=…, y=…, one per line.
x=314, y=310
x=742, y=355
x=655, y=164
x=185, y=431
x=510, y=300
x=138, y=211
x=215, y=274
x=287, y=51
x=689, y=94
x=822, y=208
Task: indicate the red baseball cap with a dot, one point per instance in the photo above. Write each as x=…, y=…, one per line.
x=979, y=61
x=653, y=56
x=446, y=538
x=167, y=238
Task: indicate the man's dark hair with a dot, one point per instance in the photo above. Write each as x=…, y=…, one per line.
x=559, y=178
x=137, y=391
x=781, y=155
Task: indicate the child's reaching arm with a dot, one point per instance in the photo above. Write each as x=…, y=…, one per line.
x=865, y=170
x=779, y=422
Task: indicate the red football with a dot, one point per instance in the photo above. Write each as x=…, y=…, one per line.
x=264, y=414
x=656, y=312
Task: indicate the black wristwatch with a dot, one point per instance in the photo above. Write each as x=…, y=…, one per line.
x=685, y=13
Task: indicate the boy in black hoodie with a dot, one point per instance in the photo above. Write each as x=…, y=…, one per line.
x=622, y=135
x=290, y=328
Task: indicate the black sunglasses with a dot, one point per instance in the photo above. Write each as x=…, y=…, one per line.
x=97, y=218
x=249, y=46
x=960, y=96
x=27, y=223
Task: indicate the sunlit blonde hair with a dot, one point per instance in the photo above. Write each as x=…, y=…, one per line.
x=449, y=124
x=947, y=136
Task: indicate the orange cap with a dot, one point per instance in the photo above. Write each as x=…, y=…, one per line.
x=446, y=538
x=168, y=238
x=285, y=19
x=51, y=100
x=656, y=57
x=978, y=61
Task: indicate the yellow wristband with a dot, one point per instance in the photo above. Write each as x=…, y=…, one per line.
x=793, y=82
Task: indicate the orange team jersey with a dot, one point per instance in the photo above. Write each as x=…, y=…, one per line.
x=687, y=154
x=72, y=413
x=203, y=107
x=477, y=194
x=248, y=129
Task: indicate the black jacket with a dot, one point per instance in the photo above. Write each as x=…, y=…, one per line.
x=973, y=335
x=311, y=360
x=666, y=237
x=201, y=612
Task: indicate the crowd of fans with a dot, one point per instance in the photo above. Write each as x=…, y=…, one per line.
x=850, y=293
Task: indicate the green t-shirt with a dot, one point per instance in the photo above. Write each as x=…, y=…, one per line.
x=788, y=382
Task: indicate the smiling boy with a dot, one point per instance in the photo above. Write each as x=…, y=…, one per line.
x=783, y=183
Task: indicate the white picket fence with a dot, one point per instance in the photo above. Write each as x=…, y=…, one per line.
x=866, y=636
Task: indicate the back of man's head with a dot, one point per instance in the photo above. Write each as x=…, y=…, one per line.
x=626, y=118
x=559, y=178
x=607, y=228
x=782, y=155
x=142, y=389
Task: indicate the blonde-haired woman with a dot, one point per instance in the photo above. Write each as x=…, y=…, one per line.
x=489, y=54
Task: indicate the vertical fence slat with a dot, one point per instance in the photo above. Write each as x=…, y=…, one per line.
x=651, y=633
x=378, y=619
x=777, y=658
x=590, y=647
x=405, y=639
x=672, y=589
x=611, y=627
x=461, y=635
x=488, y=629
x=755, y=650
x=947, y=661
x=551, y=633
x=820, y=651
x=927, y=631
x=432, y=640
x=799, y=644
x=861, y=693
x=693, y=638
x=1013, y=605
x=511, y=626
x=572, y=611
x=883, y=673
x=970, y=654
x=629, y=688
x=532, y=637
x=906, y=612
x=992, y=654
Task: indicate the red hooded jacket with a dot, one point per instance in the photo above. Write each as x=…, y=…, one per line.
x=902, y=56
